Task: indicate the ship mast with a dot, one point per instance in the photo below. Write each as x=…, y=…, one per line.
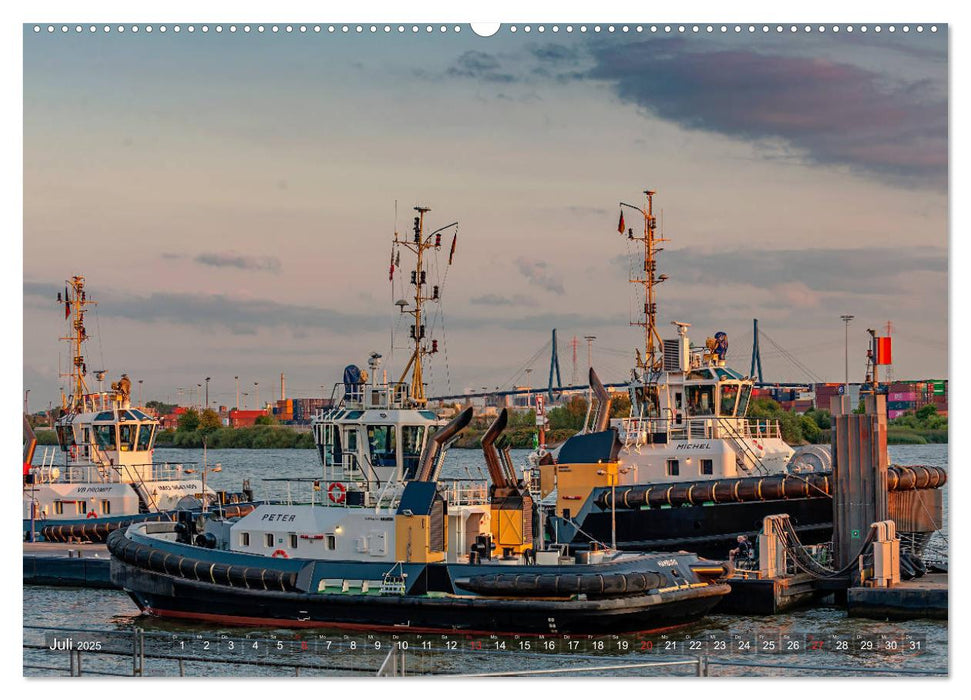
x=652, y=340
x=420, y=245
x=75, y=301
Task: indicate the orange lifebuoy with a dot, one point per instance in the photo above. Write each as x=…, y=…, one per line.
x=281, y=554
x=340, y=494
x=92, y=514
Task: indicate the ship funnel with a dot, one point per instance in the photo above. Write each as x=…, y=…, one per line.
x=602, y=418
x=429, y=457
x=496, y=471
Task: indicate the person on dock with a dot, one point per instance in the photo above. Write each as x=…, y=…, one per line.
x=745, y=551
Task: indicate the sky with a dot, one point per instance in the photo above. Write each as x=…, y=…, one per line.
x=231, y=199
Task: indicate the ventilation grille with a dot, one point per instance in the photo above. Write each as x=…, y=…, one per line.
x=436, y=526
x=672, y=359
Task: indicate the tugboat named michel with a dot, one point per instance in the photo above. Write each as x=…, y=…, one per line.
x=688, y=469
x=393, y=546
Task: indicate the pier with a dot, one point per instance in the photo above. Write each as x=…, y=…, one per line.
x=58, y=564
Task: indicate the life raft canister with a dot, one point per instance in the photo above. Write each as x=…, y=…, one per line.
x=336, y=492
x=92, y=514
x=280, y=554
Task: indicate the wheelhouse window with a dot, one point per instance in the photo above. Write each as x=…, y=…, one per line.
x=126, y=435
x=743, y=397
x=707, y=467
x=104, y=435
x=673, y=467
x=145, y=433
x=293, y=540
x=59, y=507
x=269, y=539
x=701, y=400
x=65, y=437
x=381, y=439
x=331, y=541
x=330, y=445
x=411, y=443
x=728, y=395
x=244, y=539
x=82, y=507
x=350, y=439
x=106, y=507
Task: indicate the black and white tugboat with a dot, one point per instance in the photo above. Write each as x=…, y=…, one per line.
x=385, y=543
x=102, y=475
x=417, y=561
x=688, y=469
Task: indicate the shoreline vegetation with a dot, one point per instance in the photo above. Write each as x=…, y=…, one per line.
x=925, y=426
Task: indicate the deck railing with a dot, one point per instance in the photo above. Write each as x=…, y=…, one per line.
x=111, y=474
x=641, y=431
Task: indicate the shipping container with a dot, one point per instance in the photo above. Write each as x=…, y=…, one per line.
x=892, y=414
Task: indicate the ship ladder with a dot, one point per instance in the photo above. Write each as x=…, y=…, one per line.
x=392, y=583
x=743, y=448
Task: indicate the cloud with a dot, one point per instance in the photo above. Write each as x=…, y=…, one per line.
x=208, y=311
x=539, y=274
x=242, y=262
x=481, y=66
x=498, y=300
x=834, y=113
x=555, y=53
x=801, y=275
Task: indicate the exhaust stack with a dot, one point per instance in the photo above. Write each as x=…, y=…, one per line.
x=497, y=472
x=427, y=467
x=602, y=417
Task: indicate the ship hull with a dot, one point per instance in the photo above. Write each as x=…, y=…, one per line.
x=172, y=597
x=167, y=579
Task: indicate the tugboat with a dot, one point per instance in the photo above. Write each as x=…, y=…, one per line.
x=108, y=477
x=392, y=545
x=418, y=562
x=687, y=469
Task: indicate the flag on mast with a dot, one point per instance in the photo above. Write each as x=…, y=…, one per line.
x=883, y=351
x=67, y=305
x=451, y=251
x=620, y=224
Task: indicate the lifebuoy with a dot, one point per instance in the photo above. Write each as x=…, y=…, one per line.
x=281, y=554
x=92, y=514
x=340, y=494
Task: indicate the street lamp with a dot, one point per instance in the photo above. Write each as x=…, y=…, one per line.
x=846, y=318
x=198, y=400
x=256, y=385
x=207, y=391
x=26, y=404
x=140, y=392
x=237, y=392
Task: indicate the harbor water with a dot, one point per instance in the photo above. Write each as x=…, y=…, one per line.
x=113, y=610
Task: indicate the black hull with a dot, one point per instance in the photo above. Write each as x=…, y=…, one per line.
x=711, y=530
x=170, y=596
